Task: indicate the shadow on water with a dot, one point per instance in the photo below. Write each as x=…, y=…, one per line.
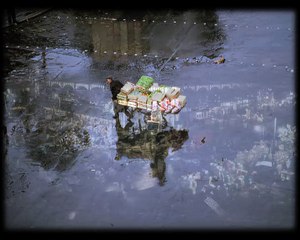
x=150, y=142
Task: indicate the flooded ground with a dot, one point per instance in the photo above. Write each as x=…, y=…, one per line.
x=70, y=164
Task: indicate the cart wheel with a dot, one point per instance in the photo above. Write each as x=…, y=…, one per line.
x=146, y=118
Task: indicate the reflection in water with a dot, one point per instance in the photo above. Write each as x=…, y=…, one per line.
x=56, y=141
x=141, y=35
x=149, y=143
x=53, y=138
x=117, y=36
x=64, y=109
x=150, y=44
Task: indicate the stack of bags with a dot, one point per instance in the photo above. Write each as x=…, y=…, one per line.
x=173, y=102
x=142, y=101
x=122, y=97
x=133, y=98
x=151, y=97
x=145, y=82
x=149, y=104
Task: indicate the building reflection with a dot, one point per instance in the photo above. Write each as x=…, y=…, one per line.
x=151, y=143
x=117, y=36
x=158, y=34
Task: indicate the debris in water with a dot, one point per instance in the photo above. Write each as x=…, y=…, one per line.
x=219, y=60
x=214, y=206
x=192, y=179
x=72, y=215
x=264, y=163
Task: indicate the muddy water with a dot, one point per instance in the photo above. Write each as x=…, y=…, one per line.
x=225, y=161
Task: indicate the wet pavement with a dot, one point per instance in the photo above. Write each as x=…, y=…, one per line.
x=227, y=160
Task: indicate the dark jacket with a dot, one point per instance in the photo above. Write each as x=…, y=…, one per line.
x=115, y=88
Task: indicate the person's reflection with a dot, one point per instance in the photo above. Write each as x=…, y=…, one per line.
x=149, y=144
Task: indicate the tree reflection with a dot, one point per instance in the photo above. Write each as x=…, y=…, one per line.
x=149, y=143
x=53, y=135
x=57, y=140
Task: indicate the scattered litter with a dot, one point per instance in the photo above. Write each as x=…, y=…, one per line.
x=264, y=163
x=214, y=206
x=219, y=60
x=193, y=185
x=72, y=215
x=211, y=179
x=241, y=171
x=113, y=187
x=191, y=178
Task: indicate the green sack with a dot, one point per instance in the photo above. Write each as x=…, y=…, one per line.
x=145, y=82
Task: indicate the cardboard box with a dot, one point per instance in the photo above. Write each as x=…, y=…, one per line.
x=157, y=96
x=182, y=100
x=127, y=88
x=173, y=93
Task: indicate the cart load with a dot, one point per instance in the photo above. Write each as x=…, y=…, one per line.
x=150, y=96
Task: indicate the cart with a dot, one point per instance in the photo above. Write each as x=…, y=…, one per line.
x=154, y=100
